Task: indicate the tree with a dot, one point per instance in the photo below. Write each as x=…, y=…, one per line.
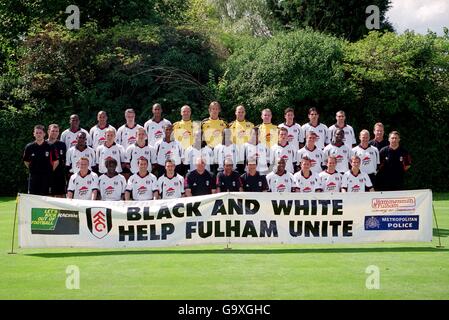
x=342, y=18
x=294, y=69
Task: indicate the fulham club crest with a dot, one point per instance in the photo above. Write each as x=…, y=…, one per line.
x=99, y=221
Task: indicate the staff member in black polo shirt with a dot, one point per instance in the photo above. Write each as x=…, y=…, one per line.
x=228, y=179
x=41, y=159
x=251, y=180
x=200, y=182
x=394, y=162
x=58, y=180
x=379, y=142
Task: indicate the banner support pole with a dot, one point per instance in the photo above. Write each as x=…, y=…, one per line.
x=438, y=229
x=14, y=227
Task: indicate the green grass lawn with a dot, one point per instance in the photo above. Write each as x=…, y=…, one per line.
x=407, y=270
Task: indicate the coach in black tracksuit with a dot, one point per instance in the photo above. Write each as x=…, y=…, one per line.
x=394, y=162
x=41, y=159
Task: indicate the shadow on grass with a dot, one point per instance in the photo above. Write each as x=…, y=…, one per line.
x=440, y=232
x=236, y=251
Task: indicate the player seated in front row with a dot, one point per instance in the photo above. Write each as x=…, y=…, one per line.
x=83, y=184
x=171, y=184
x=280, y=180
x=228, y=179
x=355, y=180
x=112, y=184
x=305, y=179
x=143, y=184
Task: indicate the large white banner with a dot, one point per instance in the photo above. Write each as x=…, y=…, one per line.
x=227, y=218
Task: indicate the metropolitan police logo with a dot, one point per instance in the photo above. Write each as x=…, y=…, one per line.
x=372, y=223
x=99, y=221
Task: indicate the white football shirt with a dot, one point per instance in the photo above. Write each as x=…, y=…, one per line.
x=342, y=154
x=356, y=183
x=321, y=131
x=171, y=188
x=82, y=187
x=74, y=154
x=98, y=136
x=222, y=152
x=127, y=136
x=261, y=153
x=112, y=189
x=191, y=154
x=349, y=138
x=316, y=158
x=310, y=184
x=69, y=137
x=155, y=130
x=142, y=188
x=369, y=158
x=168, y=150
x=134, y=152
x=280, y=183
x=330, y=182
x=295, y=134
x=287, y=152
x=115, y=151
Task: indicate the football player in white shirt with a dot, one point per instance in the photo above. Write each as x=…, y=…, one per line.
x=112, y=184
x=98, y=132
x=84, y=184
x=168, y=148
x=330, y=178
x=295, y=135
x=280, y=180
x=127, y=133
x=321, y=130
x=143, y=184
x=69, y=135
x=171, y=184
x=226, y=150
x=355, y=180
x=155, y=126
x=78, y=151
x=305, y=179
x=312, y=152
x=138, y=150
x=285, y=151
x=110, y=149
x=258, y=151
x=339, y=150
x=195, y=151
x=349, y=139
x=369, y=155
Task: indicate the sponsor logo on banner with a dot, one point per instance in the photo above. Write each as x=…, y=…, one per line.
x=385, y=223
x=394, y=204
x=99, y=221
x=54, y=221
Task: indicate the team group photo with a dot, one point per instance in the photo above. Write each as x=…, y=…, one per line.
x=224, y=155
x=189, y=158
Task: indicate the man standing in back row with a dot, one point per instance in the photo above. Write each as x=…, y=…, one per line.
x=213, y=126
x=155, y=126
x=349, y=137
